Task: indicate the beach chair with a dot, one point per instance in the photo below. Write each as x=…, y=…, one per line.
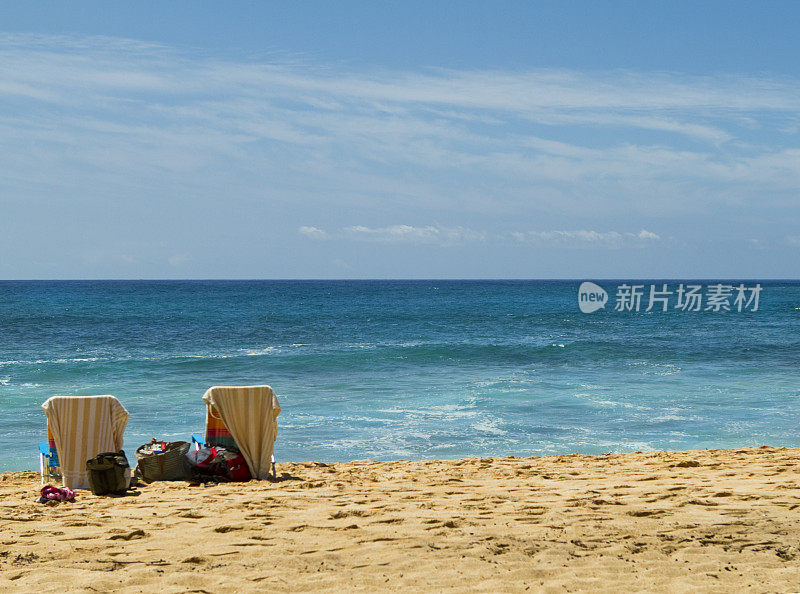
x=49, y=466
x=245, y=417
x=79, y=428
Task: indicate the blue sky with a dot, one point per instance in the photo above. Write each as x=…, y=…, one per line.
x=400, y=140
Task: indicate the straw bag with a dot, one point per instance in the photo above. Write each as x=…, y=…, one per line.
x=167, y=465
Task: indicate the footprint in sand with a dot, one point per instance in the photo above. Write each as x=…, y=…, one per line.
x=390, y=521
x=499, y=548
x=600, y=501
x=351, y=512
x=129, y=535
x=661, y=497
x=25, y=559
x=647, y=513
x=192, y=515
x=435, y=524
x=226, y=529
x=700, y=502
x=312, y=484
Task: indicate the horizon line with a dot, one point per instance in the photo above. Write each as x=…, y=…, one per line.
x=427, y=279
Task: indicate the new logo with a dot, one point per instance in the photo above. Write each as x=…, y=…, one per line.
x=591, y=297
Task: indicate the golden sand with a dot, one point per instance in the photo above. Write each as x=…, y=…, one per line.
x=713, y=520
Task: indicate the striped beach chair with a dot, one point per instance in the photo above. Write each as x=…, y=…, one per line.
x=245, y=417
x=79, y=428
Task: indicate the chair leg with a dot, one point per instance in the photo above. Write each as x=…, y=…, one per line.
x=42, y=466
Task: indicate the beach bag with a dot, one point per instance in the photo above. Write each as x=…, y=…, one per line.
x=217, y=464
x=236, y=466
x=109, y=473
x=165, y=463
x=205, y=466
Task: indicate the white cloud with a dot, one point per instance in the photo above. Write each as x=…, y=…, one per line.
x=393, y=233
x=118, y=117
x=411, y=234
x=645, y=234
x=585, y=238
x=436, y=234
x=313, y=232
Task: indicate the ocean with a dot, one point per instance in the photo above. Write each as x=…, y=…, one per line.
x=416, y=369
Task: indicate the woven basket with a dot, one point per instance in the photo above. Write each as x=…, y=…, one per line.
x=169, y=465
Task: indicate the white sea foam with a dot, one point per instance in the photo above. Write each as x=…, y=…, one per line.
x=259, y=352
x=668, y=417
x=6, y=381
x=489, y=426
x=49, y=361
x=661, y=369
x=612, y=403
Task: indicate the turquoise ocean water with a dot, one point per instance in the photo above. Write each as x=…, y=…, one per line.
x=405, y=369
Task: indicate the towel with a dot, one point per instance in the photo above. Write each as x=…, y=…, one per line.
x=216, y=432
x=250, y=413
x=82, y=427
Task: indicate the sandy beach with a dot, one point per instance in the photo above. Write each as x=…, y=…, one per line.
x=712, y=520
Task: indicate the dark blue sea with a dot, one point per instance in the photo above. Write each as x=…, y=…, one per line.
x=407, y=369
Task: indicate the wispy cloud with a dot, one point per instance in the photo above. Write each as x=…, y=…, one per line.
x=435, y=234
x=409, y=233
x=586, y=238
x=132, y=128
x=431, y=234
x=94, y=104
x=313, y=232
x=648, y=235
